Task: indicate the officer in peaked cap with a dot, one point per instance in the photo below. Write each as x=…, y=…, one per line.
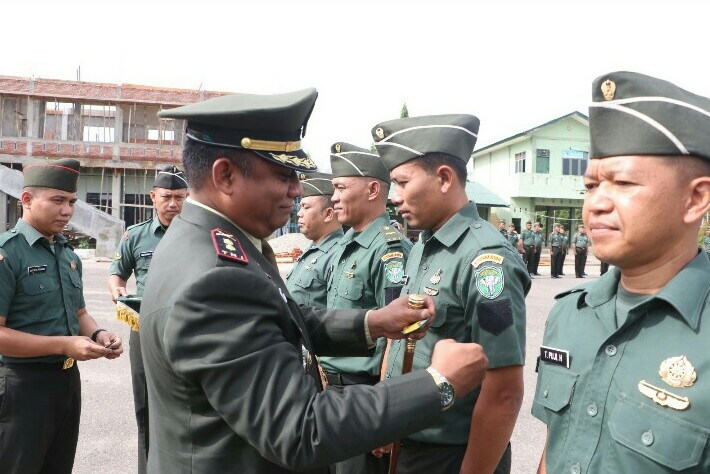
x=308, y=279
x=369, y=266
x=478, y=282
x=133, y=256
x=624, y=374
x=44, y=327
x=230, y=356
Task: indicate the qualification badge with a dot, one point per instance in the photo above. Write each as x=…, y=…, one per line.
x=677, y=372
x=436, y=277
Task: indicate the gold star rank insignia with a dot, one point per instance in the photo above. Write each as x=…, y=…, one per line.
x=228, y=247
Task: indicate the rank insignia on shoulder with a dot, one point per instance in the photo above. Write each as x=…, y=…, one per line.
x=487, y=257
x=125, y=236
x=663, y=397
x=678, y=372
x=1, y=258
x=555, y=356
x=228, y=247
x=72, y=265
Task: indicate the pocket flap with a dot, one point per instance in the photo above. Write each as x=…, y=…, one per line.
x=304, y=280
x=35, y=285
x=555, y=386
x=662, y=437
x=350, y=288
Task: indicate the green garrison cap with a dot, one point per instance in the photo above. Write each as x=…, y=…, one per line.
x=635, y=114
x=269, y=125
x=317, y=184
x=59, y=174
x=351, y=160
x=170, y=177
x=402, y=140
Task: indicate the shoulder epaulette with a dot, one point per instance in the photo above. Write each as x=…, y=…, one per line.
x=140, y=224
x=392, y=236
x=578, y=289
x=228, y=247
x=5, y=236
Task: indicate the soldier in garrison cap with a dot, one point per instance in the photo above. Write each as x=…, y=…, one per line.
x=580, y=243
x=478, y=282
x=537, y=230
x=229, y=355
x=368, y=267
x=133, y=256
x=563, y=254
x=624, y=372
x=44, y=327
x=307, y=281
x=555, y=242
x=528, y=238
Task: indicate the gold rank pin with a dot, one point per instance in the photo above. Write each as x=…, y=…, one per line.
x=663, y=397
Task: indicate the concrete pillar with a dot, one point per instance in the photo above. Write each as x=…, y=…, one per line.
x=4, y=224
x=117, y=132
x=116, y=197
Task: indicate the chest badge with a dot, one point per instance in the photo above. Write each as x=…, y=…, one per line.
x=72, y=265
x=678, y=372
x=352, y=267
x=431, y=291
x=349, y=275
x=436, y=277
x=663, y=397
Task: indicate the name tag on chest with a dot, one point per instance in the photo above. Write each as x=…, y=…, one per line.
x=146, y=254
x=554, y=356
x=34, y=270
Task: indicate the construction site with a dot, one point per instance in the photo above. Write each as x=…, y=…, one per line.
x=114, y=132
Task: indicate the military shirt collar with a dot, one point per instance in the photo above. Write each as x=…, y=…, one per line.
x=693, y=279
x=256, y=242
x=367, y=236
x=455, y=226
x=156, y=225
x=327, y=242
x=32, y=235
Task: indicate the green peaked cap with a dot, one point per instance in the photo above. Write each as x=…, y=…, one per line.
x=636, y=114
x=269, y=125
x=59, y=174
x=351, y=160
x=402, y=140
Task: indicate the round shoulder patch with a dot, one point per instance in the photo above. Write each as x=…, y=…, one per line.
x=394, y=271
x=490, y=281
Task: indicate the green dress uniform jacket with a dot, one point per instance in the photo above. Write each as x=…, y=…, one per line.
x=308, y=279
x=596, y=401
x=40, y=288
x=367, y=274
x=135, y=251
x=232, y=382
x=479, y=284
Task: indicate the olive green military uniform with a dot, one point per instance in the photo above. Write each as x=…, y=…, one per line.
x=513, y=238
x=477, y=280
x=597, y=415
x=706, y=243
x=538, y=251
x=40, y=397
x=308, y=279
x=556, y=241
x=580, y=242
x=528, y=237
x=564, y=247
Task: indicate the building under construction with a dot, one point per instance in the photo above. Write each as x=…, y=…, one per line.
x=112, y=129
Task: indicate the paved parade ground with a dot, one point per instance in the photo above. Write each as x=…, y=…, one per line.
x=107, y=441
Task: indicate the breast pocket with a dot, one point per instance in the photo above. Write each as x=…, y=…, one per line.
x=645, y=436
x=36, y=285
x=350, y=288
x=554, y=392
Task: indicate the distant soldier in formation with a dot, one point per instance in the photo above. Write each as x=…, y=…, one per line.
x=555, y=242
x=580, y=244
x=513, y=236
x=501, y=228
x=537, y=230
x=528, y=237
x=565, y=248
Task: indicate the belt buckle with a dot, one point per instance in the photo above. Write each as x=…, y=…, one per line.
x=68, y=363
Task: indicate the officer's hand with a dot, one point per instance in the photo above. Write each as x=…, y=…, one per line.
x=379, y=452
x=463, y=364
x=118, y=291
x=390, y=320
x=113, y=341
x=83, y=348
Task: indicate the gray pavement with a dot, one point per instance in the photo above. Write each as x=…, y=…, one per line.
x=107, y=440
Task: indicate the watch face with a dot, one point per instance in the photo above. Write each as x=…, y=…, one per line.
x=446, y=390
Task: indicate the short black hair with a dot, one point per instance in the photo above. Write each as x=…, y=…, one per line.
x=197, y=158
x=431, y=161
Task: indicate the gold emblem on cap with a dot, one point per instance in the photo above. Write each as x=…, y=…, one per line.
x=608, y=89
x=246, y=142
x=302, y=176
x=663, y=397
x=677, y=372
x=337, y=147
x=380, y=133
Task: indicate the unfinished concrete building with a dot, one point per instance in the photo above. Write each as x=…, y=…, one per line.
x=112, y=129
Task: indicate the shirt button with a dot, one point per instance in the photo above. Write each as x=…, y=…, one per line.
x=592, y=409
x=647, y=438
x=575, y=469
x=425, y=266
x=610, y=350
x=544, y=394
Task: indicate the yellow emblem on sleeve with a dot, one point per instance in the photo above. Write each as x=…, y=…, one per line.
x=487, y=257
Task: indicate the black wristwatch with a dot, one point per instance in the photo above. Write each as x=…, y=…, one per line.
x=96, y=333
x=446, y=390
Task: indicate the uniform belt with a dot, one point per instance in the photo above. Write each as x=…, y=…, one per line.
x=409, y=443
x=67, y=364
x=342, y=379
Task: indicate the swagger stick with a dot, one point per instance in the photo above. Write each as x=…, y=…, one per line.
x=414, y=302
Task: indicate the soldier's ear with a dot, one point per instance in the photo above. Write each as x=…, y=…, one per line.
x=698, y=200
x=445, y=177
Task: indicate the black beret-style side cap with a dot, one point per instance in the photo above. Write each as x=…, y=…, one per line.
x=170, y=177
x=636, y=114
x=59, y=174
x=269, y=125
x=401, y=140
x=350, y=160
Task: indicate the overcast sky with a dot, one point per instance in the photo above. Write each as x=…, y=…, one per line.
x=513, y=64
